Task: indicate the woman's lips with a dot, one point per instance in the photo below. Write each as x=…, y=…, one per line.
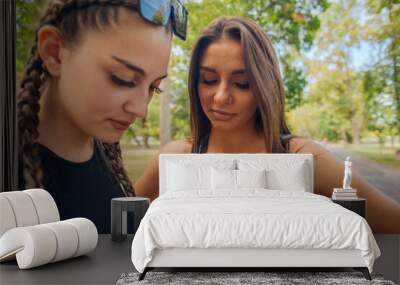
x=119, y=125
x=222, y=116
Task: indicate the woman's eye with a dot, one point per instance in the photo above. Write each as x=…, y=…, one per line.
x=209, y=82
x=243, y=86
x=122, y=82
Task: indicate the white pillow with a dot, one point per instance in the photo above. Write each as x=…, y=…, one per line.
x=282, y=174
x=293, y=179
x=186, y=174
x=181, y=177
x=251, y=178
x=229, y=179
x=223, y=179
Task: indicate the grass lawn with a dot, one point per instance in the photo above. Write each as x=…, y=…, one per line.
x=136, y=159
x=382, y=155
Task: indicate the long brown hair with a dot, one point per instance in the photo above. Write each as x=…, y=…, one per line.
x=71, y=17
x=262, y=67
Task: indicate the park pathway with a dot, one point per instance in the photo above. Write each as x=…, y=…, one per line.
x=385, y=179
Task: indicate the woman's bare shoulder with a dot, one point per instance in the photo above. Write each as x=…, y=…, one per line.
x=304, y=145
x=178, y=146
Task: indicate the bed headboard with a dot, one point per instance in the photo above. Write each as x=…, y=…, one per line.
x=213, y=158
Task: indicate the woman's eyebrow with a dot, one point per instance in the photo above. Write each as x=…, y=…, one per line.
x=208, y=69
x=134, y=67
x=238, y=71
x=130, y=65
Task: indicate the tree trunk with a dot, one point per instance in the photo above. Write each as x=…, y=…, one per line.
x=145, y=133
x=146, y=141
x=356, y=126
x=396, y=82
x=395, y=57
x=136, y=140
x=165, y=113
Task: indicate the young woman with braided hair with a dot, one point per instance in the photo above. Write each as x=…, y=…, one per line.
x=92, y=71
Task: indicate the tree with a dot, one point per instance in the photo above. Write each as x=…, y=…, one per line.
x=386, y=32
x=336, y=83
x=381, y=115
x=165, y=114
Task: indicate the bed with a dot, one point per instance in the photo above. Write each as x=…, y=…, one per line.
x=247, y=211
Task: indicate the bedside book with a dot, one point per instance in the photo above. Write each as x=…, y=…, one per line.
x=344, y=194
x=341, y=190
x=344, y=198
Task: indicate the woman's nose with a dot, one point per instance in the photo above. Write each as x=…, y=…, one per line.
x=222, y=95
x=138, y=102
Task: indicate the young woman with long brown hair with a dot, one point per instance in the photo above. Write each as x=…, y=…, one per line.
x=237, y=106
x=92, y=71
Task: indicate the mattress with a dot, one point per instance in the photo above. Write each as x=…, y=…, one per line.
x=250, y=219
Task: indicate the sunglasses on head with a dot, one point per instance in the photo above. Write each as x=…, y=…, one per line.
x=159, y=12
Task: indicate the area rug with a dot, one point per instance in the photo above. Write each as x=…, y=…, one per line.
x=273, y=278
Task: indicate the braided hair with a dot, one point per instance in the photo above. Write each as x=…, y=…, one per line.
x=69, y=16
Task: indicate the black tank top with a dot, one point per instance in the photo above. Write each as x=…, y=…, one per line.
x=83, y=189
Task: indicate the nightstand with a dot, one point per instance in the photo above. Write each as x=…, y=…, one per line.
x=357, y=205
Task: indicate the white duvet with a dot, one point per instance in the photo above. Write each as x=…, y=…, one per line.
x=253, y=218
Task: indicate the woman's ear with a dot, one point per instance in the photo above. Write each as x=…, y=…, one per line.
x=49, y=49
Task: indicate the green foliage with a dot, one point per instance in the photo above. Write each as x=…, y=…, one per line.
x=336, y=85
x=290, y=22
x=28, y=14
x=142, y=130
x=294, y=80
x=381, y=110
x=385, y=15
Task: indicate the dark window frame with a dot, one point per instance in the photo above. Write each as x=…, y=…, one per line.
x=8, y=119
